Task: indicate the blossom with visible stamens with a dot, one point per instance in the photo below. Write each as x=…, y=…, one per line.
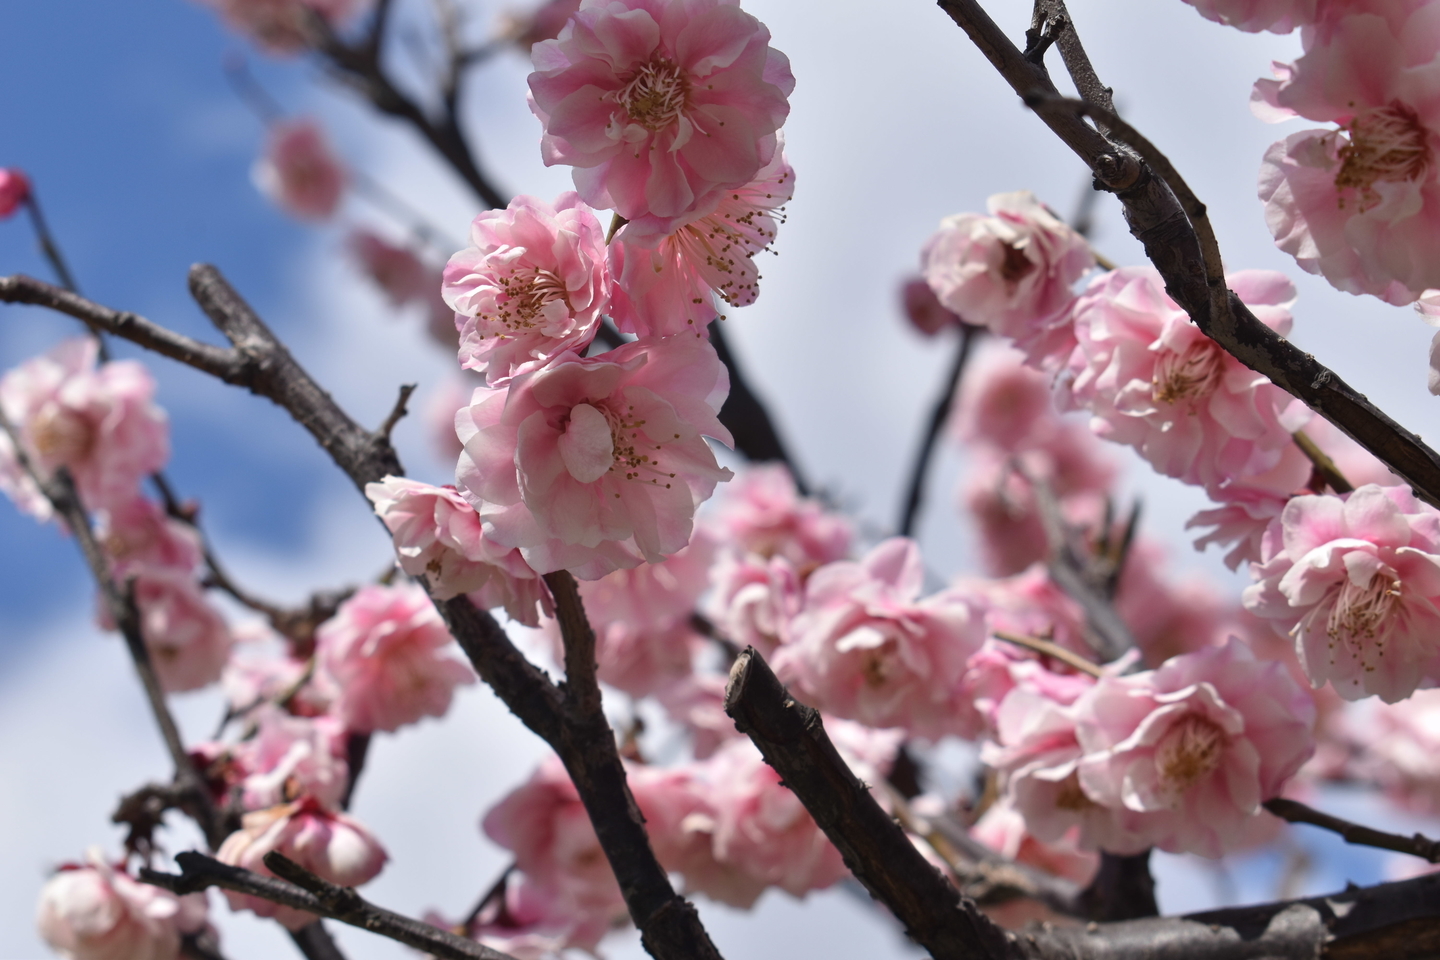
x=1355, y=580
x=1152, y=380
x=1360, y=204
x=593, y=465
x=1183, y=756
x=667, y=276
x=661, y=105
x=531, y=285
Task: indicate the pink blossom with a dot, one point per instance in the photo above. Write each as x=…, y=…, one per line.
x=544, y=824
x=530, y=286
x=1401, y=749
x=866, y=647
x=278, y=26
x=531, y=923
x=405, y=279
x=923, y=309
x=382, y=648
x=661, y=104
x=1360, y=204
x=263, y=666
x=1167, y=617
x=329, y=845
x=299, y=171
x=668, y=274
x=138, y=533
x=763, y=513
x=438, y=536
x=451, y=395
x=1011, y=271
x=593, y=465
x=1184, y=755
x=1002, y=829
x=99, y=912
x=290, y=757
x=1355, y=579
x=1004, y=404
x=100, y=423
x=1240, y=521
x=641, y=660
x=697, y=703
x=14, y=190
x=762, y=831
x=188, y=640
x=755, y=599
x=1153, y=381
x=652, y=595
x=1252, y=16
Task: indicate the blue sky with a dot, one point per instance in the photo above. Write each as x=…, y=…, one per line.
x=121, y=114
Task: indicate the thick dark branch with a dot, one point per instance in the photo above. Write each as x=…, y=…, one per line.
x=939, y=413
x=1188, y=261
x=325, y=899
x=992, y=878
x=1077, y=62
x=1417, y=845
x=668, y=923
x=315, y=942
x=746, y=417
x=1122, y=888
x=875, y=848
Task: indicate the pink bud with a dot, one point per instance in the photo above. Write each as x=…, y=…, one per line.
x=14, y=190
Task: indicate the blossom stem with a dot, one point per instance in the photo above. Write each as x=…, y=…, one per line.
x=939, y=414
x=1049, y=649
x=1326, y=472
x=1294, y=811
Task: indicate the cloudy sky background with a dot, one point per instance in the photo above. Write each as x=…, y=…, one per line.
x=141, y=153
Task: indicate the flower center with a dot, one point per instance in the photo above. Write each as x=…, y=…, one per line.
x=1071, y=796
x=61, y=435
x=1192, y=374
x=1359, y=611
x=1388, y=144
x=599, y=440
x=1189, y=752
x=1014, y=265
x=526, y=293
x=655, y=94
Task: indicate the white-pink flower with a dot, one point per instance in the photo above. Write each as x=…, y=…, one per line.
x=1184, y=755
x=329, y=845
x=138, y=533
x=299, y=172
x=1355, y=579
x=1153, y=381
x=755, y=599
x=594, y=465
x=278, y=26
x=1400, y=746
x=383, y=651
x=531, y=285
x=1252, y=16
x=1011, y=271
x=438, y=536
x=100, y=423
x=762, y=513
x=865, y=646
x=290, y=757
x=189, y=642
x=1360, y=204
x=661, y=105
x=667, y=275
x=99, y=912
x=1002, y=829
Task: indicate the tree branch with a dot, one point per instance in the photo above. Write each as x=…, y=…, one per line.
x=939, y=413
x=747, y=419
x=1179, y=242
x=325, y=899
x=1353, y=833
x=793, y=741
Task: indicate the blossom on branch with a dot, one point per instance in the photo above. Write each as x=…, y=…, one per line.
x=330, y=845
x=100, y=423
x=14, y=190
x=97, y=911
x=382, y=649
x=1360, y=204
x=1011, y=271
x=661, y=105
x=530, y=286
x=188, y=640
x=1355, y=580
x=668, y=275
x=593, y=465
x=299, y=171
x=1153, y=381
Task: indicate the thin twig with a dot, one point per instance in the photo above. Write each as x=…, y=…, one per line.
x=324, y=899
x=1325, y=469
x=939, y=413
x=1050, y=649
x=747, y=419
x=397, y=412
x=496, y=891
x=1417, y=845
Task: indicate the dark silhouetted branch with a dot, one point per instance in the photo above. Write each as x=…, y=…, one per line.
x=1417, y=845
x=746, y=417
x=317, y=896
x=939, y=413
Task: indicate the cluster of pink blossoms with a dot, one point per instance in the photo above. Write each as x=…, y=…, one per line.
x=100, y=423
